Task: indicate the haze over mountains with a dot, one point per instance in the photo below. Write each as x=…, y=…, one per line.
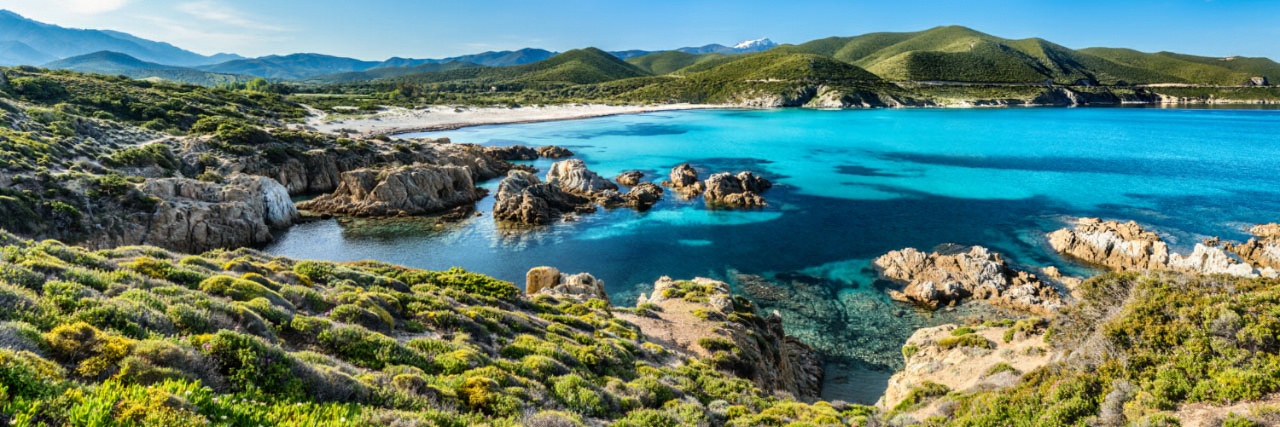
x=941, y=54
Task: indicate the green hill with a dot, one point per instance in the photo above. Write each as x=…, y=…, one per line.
x=1185, y=71
x=115, y=63
x=578, y=66
x=1262, y=67
x=389, y=72
x=779, y=71
x=669, y=61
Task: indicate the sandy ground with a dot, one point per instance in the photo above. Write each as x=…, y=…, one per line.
x=403, y=120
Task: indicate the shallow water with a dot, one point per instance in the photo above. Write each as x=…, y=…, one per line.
x=853, y=185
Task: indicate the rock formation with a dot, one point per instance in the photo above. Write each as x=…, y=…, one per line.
x=629, y=178
x=523, y=198
x=1129, y=247
x=1263, y=251
x=936, y=279
x=550, y=281
x=554, y=152
x=574, y=177
x=195, y=216
x=701, y=318
x=984, y=361
x=684, y=179
x=643, y=196
x=512, y=152
x=408, y=190
x=741, y=190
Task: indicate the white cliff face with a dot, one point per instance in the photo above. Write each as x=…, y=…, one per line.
x=281, y=212
x=1208, y=260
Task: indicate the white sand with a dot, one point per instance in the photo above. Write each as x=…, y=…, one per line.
x=403, y=120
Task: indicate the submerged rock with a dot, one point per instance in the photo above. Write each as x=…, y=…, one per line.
x=408, y=190
x=1129, y=247
x=740, y=191
x=935, y=280
x=550, y=281
x=700, y=318
x=554, y=152
x=629, y=178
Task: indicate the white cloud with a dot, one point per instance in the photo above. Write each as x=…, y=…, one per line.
x=218, y=12
x=86, y=7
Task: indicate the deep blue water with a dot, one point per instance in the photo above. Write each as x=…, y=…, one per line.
x=853, y=185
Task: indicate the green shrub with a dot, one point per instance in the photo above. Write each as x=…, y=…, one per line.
x=579, y=396
x=970, y=340
x=919, y=394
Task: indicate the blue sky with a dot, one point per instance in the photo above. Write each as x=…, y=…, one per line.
x=377, y=29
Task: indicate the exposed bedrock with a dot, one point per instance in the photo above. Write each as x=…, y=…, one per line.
x=934, y=280
x=195, y=216
x=550, y=281
x=1263, y=251
x=684, y=180
x=738, y=191
x=1129, y=247
x=523, y=198
x=629, y=178
x=701, y=318
x=320, y=171
x=554, y=152
x=573, y=176
x=512, y=152
x=407, y=190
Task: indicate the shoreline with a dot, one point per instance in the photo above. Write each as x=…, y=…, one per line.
x=399, y=121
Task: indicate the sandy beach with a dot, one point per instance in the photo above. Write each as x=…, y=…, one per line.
x=397, y=120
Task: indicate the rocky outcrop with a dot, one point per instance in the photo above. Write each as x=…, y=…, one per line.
x=574, y=177
x=968, y=359
x=554, y=152
x=1262, y=251
x=629, y=178
x=550, y=281
x=684, y=180
x=643, y=196
x=512, y=152
x=409, y=190
x=1129, y=247
x=195, y=216
x=935, y=280
x=700, y=318
x=320, y=170
x=523, y=198
x=739, y=191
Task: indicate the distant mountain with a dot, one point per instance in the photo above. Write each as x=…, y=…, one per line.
x=747, y=46
x=45, y=42
x=755, y=45
x=291, y=67
x=14, y=52
x=115, y=63
x=389, y=72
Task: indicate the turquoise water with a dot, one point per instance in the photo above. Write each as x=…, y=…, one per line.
x=853, y=185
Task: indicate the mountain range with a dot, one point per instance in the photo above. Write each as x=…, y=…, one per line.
x=942, y=54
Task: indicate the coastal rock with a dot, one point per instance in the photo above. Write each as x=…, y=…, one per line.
x=522, y=198
x=693, y=315
x=1129, y=247
x=1263, y=251
x=554, y=152
x=1115, y=245
x=932, y=356
x=935, y=280
x=194, y=216
x=684, y=179
x=643, y=196
x=629, y=178
x=725, y=189
x=550, y=281
x=512, y=152
x=574, y=177
x=408, y=190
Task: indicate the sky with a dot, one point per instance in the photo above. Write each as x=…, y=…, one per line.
x=379, y=29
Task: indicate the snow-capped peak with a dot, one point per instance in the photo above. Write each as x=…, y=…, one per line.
x=761, y=43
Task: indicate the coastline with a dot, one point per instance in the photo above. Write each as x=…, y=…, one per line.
x=399, y=120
